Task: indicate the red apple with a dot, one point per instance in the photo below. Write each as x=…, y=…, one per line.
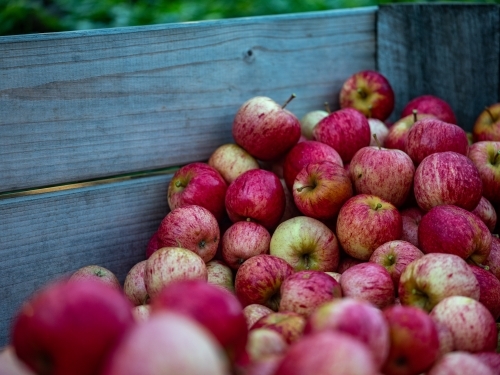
x=493, y=261
x=458, y=363
x=134, y=286
x=398, y=132
x=265, y=129
x=411, y=220
x=291, y=209
x=256, y=195
x=198, y=184
x=433, y=105
x=369, y=92
x=487, y=125
x=264, y=342
x=489, y=286
x=254, y=312
x=231, y=160
x=491, y=359
x=220, y=274
x=309, y=121
x=99, y=273
x=486, y=157
x=346, y=130
x=447, y=178
x=288, y=324
x=378, y=130
x=486, y=212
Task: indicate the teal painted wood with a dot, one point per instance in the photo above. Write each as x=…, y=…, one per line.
x=92, y=104
x=448, y=50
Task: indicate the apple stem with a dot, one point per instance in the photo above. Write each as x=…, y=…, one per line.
x=415, y=112
x=391, y=258
x=299, y=189
x=377, y=141
x=178, y=183
x=379, y=205
x=361, y=93
x=288, y=101
x=327, y=108
x=489, y=113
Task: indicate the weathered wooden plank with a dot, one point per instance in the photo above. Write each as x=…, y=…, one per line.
x=45, y=236
x=82, y=105
x=448, y=50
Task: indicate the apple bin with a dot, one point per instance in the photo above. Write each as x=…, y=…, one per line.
x=94, y=123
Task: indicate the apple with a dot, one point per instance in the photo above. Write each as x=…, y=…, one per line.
x=346, y=262
x=321, y=188
x=170, y=264
x=487, y=125
x=365, y=222
x=447, y=178
x=264, y=342
x=414, y=341
x=259, y=278
x=471, y=324
x=346, y=130
x=379, y=131
x=254, y=312
x=265, y=129
x=220, y=274
x=303, y=291
x=326, y=353
x=450, y=229
x=357, y=318
x=304, y=153
x=386, y=173
x=398, y=132
x=263, y=366
x=458, y=363
x=256, y=195
x=430, y=104
x=369, y=282
x=429, y=136
x=70, y=327
x=231, y=160
x=134, y=286
x=493, y=261
x=141, y=313
x=170, y=343
x=445, y=338
x=306, y=244
x=486, y=157
x=489, y=286
x=411, y=220
x=435, y=276
x=242, y=240
x=335, y=275
x=486, y=212
x=490, y=359
x=198, y=184
x=395, y=256
x=152, y=245
x=97, y=272
x=369, y=92
x=11, y=365
x=309, y=121
x=192, y=227
x=288, y=324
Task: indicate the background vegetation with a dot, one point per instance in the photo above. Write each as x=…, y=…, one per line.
x=38, y=16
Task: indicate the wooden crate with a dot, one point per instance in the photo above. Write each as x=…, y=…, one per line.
x=93, y=123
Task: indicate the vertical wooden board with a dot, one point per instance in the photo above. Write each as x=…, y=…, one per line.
x=45, y=236
x=448, y=50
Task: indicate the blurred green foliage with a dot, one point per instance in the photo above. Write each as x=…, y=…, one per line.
x=38, y=16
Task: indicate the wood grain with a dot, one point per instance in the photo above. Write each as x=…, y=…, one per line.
x=448, y=50
x=83, y=105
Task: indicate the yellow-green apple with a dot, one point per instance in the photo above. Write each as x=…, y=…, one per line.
x=458, y=363
x=489, y=286
x=493, y=261
x=435, y=276
x=471, y=324
x=346, y=130
x=220, y=274
x=386, y=173
x=310, y=120
x=486, y=212
x=414, y=341
x=354, y=317
x=369, y=92
x=378, y=130
x=486, y=157
x=218, y=310
x=189, y=345
x=259, y=278
x=256, y=195
x=265, y=128
x=411, y=219
x=288, y=324
x=398, y=132
x=321, y=188
x=231, y=160
x=304, y=153
x=491, y=359
x=97, y=272
x=432, y=105
x=242, y=240
x=365, y=222
x=325, y=353
x=306, y=244
x=450, y=229
x=447, y=178
x=429, y=136
x=141, y=313
x=170, y=264
x=134, y=286
x=198, y=184
x=70, y=327
x=264, y=342
x=152, y=245
x=303, y=291
x=191, y=227
x=369, y=282
x=254, y=312
x=395, y=256
x=487, y=125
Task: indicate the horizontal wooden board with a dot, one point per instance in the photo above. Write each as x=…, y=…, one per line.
x=91, y=104
x=46, y=235
x=448, y=50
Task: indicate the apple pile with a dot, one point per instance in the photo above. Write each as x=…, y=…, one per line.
x=334, y=244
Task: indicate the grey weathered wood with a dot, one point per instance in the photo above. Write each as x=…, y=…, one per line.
x=47, y=235
x=82, y=105
x=448, y=50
